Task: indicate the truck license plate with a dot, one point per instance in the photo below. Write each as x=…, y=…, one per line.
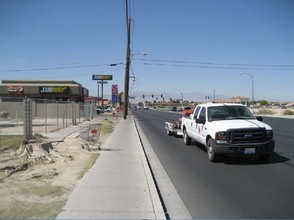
x=249, y=151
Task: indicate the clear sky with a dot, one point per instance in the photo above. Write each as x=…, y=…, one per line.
x=191, y=45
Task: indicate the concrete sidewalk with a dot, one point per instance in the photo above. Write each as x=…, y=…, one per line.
x=119, y=185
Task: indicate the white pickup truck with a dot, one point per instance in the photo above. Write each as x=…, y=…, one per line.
x=228, y=129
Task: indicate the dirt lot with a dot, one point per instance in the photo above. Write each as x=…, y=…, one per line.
x=41, y=190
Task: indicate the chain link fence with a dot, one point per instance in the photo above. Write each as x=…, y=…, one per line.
x=30, y=116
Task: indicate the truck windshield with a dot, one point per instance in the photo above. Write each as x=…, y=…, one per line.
x=227, y=112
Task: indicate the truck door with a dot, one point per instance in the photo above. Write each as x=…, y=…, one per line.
x=201, y=128
x=192, y=126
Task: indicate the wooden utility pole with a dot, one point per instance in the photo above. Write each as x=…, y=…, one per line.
x=127, y=73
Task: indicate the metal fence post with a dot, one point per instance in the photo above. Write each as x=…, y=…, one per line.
x=79, y=113
x=28, y=119
x=57, y=115
x=46, y=116
x=16, y=118
x=91, y=111
x=63, y=115
x=66, y=114
x=73, y=112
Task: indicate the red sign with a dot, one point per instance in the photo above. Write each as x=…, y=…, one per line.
x=114, y=90
x=15, y=89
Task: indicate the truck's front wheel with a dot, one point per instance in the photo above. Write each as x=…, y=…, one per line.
x=264, y=157
x=187, y=139
x=212, y=156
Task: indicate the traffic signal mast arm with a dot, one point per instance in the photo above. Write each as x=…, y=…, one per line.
x=152, y=96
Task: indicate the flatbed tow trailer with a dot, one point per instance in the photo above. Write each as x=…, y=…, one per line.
x=173, y=128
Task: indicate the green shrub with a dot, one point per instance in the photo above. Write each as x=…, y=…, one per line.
x=288, y=112
x=107, y=127
x=10, y=142
x=266, y=112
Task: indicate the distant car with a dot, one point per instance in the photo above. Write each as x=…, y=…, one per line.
x=174, y=108
x=146, y=107
x=187, y=111
x=99, y=110
x=135, y=108
x=109, y=109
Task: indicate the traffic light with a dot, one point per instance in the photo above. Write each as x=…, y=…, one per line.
x=161, y=96
x=152, y=96
x=143, y=96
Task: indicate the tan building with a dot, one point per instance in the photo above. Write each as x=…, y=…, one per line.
x=13, y=90
x=236, y=100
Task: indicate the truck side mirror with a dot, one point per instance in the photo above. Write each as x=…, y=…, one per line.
x=259, y=118
x=186, y=114
x=200, y=120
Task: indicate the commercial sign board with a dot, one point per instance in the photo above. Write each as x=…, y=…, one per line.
x=15, y=89
x=114, y=89
x=114, y=92
x=54, y=89
x=114, y=99
x=101, y=82
x=101, y=77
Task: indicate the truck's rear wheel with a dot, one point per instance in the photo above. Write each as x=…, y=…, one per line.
x=187, y=139
x=169, y=133
x=212, y=156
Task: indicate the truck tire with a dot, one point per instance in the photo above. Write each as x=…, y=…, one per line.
x=187, y=139
x=212, y=156
x=169, y=133
x=264, y=157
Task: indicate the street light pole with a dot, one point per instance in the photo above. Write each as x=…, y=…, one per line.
x=98, y=93
x=252, y=79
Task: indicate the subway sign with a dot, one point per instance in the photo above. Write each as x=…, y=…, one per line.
x=101, y=77
x=54, y=90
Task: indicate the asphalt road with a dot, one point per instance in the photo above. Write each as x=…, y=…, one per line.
x=235, y=188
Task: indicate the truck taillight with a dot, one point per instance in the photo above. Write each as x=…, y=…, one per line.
x=221, y=136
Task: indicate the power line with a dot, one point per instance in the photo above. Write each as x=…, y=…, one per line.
x=57, y=68
x=211, y=65
x=176, y=63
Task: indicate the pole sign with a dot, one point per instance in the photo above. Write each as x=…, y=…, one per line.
x=114, y=92
x=102, y=82
x=114, y=89
x=101, y=77
x=114, y=99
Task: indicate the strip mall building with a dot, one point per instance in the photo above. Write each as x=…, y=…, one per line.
x=66, y=90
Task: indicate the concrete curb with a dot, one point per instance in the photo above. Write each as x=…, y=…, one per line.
x=173, y=204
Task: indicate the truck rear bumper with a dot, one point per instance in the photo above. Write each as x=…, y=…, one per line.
x=241, y=149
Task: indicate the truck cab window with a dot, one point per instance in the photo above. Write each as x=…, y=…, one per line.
x=196, y=112
x=202, y=114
